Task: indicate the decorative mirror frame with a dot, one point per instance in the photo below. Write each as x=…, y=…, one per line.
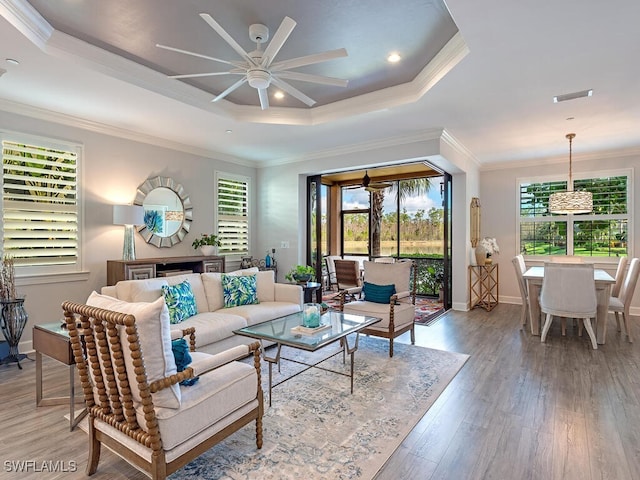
x=165, y=182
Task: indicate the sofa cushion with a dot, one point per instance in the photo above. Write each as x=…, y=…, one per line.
x=266, y=286
x=264, y=311
x=378, y=293
x=152, y=324
x=147, y=290
x=213, y=290
x=239, y=290
x=180, y=301
x=213, y=327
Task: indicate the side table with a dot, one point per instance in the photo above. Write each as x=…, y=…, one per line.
x=483, y=286
x=308, y=289
x=53, y=340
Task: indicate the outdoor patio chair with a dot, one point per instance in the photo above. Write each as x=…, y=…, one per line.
x=348, y=279
x=390, y=294
x=132, y=389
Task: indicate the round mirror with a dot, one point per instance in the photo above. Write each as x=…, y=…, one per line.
x=167, y=211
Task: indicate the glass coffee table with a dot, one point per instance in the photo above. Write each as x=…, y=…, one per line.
x=288, y=330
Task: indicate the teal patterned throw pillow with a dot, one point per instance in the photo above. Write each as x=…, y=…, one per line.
x=180, y=301
x=239, y=290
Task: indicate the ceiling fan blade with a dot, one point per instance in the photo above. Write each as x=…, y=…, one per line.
x=291, y=90
x=227, y=38
x=276, y=43
x=264, y=98
x=230, y=89
x=306, y=77
x=309, y=59
x=210, y=74
x=193, y=54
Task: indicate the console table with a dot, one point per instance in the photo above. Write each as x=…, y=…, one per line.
x=483, y=286
x=143, y=268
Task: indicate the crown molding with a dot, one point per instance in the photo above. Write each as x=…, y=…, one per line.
x=27, y=21
x=97, y=127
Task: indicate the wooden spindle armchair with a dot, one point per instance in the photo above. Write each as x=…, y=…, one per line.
x=136, y=406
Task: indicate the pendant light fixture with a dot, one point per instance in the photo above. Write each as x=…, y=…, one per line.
x=570, y=201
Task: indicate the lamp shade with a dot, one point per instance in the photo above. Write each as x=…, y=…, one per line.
x=128, y=215
x=571, y=202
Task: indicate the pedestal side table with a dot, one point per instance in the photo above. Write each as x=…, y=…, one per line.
x=52, y=340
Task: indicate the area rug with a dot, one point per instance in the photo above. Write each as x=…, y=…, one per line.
x=316, y=429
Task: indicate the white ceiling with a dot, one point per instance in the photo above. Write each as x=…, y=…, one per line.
x=496, y=100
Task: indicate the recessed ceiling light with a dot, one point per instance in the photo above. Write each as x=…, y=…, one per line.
x=279, y=95
x=13, y=61
x=572, y=96
x=394, y=57
x=228, y=131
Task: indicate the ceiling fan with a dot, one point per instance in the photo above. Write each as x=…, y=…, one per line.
x=370, y=186
x=258, y=69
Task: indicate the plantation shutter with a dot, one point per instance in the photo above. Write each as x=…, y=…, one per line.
x=39, y=205
x=233, y=214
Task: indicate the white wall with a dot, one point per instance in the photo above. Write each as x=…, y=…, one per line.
x=112, y=169
x=499, y=200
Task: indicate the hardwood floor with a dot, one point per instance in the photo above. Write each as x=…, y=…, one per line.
x=518, y=409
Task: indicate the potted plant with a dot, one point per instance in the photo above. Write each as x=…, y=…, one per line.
x=435, y=279
x=301, y=274
x=207, y=243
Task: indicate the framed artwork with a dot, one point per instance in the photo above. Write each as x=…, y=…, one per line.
x=154, y=218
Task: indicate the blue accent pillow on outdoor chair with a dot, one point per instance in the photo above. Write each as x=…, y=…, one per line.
x=378, y=293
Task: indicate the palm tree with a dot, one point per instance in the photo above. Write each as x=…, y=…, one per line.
x=402, y=189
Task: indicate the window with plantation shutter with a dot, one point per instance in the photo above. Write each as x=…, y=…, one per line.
x=40, y=207
x=602, y=233
x=232, y=200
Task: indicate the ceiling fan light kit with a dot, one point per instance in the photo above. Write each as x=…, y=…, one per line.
x=258, y=68
x=570, y=202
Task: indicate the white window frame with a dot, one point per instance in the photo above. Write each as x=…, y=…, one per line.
x=232, y=255
x=569, y=219
x=37, y=274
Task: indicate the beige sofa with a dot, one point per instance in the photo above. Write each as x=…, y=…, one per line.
x=215, y=324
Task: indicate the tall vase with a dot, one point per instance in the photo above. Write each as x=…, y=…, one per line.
x=13, y=319
x=481, y=255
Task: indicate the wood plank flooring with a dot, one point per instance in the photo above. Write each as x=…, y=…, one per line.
x=518, y=409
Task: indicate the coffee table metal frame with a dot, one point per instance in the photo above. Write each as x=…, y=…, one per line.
x=279, y=331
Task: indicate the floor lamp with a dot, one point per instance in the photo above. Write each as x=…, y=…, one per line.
x=128, y=215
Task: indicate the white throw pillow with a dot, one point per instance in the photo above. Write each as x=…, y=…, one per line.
x=152, y=323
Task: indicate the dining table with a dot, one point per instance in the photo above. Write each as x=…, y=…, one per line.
x=534, y=277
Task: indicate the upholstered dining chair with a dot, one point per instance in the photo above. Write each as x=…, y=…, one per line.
x=620, y=274
x=132, y=387
x=567, y=259
x=569, y=290
x=520, y=267
x=390, y=294
x=348, y=279
x=622, y=302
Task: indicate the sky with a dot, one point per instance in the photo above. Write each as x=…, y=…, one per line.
x=359, y=198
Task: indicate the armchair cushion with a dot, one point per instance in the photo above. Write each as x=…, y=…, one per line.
x=239, y=290
x=180, y=301
x=378, y=293
x=152, y=322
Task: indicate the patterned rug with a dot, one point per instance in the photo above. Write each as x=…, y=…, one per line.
x=317, y=430
x=428, y=310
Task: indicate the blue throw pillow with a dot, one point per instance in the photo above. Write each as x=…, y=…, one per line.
x=183, y=359
x=378, y=293
x=180, y=301
x=239, y=290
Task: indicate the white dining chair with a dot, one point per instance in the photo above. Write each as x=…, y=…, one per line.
x=622, y=302
x=567, y=259
x=520, y=267
x=620, y=274
x=569, y=291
